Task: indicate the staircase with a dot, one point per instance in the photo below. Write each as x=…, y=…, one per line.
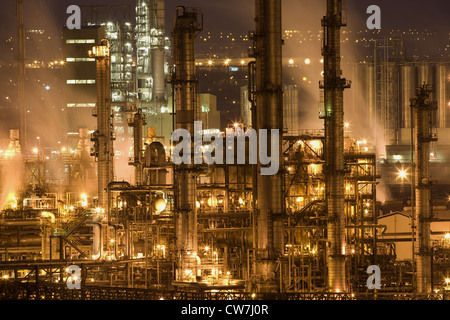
x=72, y=225
x=310, y=210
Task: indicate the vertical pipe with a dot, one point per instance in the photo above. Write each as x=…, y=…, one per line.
x=334, y=86
x=138, y=127
x=423, y=109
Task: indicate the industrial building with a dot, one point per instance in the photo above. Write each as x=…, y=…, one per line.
x=223, y=230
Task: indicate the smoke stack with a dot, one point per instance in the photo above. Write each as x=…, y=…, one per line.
x=333, y=113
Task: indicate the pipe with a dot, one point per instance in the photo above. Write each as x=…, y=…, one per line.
x=97, y=242
x=334, y=86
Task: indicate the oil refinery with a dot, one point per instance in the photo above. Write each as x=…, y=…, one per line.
x=102, y=210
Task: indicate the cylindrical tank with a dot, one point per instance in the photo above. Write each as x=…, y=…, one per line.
x=158, y=74
x=408, y=92
x=442, y=71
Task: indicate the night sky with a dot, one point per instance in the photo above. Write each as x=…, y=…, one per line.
x=237, y=15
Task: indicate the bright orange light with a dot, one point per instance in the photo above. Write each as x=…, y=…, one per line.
x=35, y=150
x=307, y=61
x=242, y=62
x=291, y=61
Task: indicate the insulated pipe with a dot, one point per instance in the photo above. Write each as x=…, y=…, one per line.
x=185, y=27
x=97, y=242
x=138, y=127
x=334, y=86
x=423, y=131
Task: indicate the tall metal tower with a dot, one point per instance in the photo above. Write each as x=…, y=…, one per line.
x=333, y=113
x=103, y=136
x=423, y=109
x=269, y=115
x=187, y=23
x=21, y=77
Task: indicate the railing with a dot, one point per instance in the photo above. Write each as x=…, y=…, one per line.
x=31, y=291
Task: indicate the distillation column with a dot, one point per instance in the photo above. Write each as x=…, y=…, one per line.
x=186, y=25
x=333, y=86
x=269, y=115
x=103, y=136
x=423, y=109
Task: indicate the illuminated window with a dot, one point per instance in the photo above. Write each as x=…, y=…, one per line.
x=81, y=81
x=80, y=59
x=80, y=105
x=71, y=41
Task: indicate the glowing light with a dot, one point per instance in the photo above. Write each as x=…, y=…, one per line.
x=241, y=201
x=447, y=236
x=197, y=204
x=6, y=277
x=402, y=174
x=304, y=79
x=35, y=150
x=242, y=62
x=299, y=199
x=227, y=61
x=206, y=248
x=321, y=60
x=210, y=62
x=236, y=124
x=83, y=196
x=98, y=210
x=212, y=201
x=447, y=281
x=160, y=205
x=347, y=125
x=291, y=61
x=307, y=61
